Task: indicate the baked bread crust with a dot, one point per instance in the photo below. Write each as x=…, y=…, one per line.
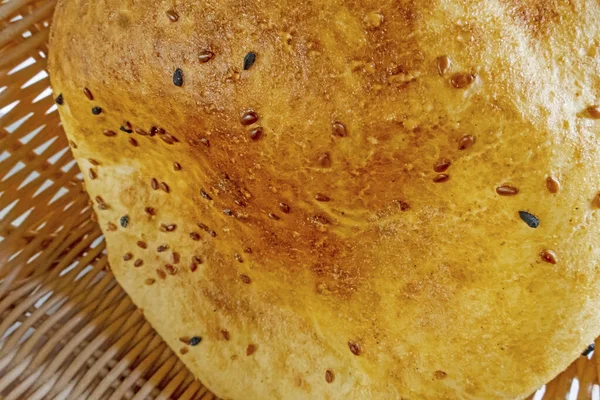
x=370, y=232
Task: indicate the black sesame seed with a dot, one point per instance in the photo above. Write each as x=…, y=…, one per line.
x=60, y=100
x=124, y=221
x=195, y=340
x=589, y=349
x=178, y=77
x=249, y=60
x=96, y=110
x=531, y=220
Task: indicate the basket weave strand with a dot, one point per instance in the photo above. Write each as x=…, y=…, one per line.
x=67, y=330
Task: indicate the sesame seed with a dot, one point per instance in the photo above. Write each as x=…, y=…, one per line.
x=183, y=351
x=99, y=200
x=593, y=112
x=109, y=133
x=194, y=341
x=246, y=279
x=103, y=206
x=339, y=129
x=256, y=133
x=531, y=220
x=133, y=142
x=251, y=349
x=552, y=184
x=321, y=197
x=228, y=212
x=154, y=184
x=596, y=201
x=141, y=132
x=178, y=77
x=164, y=187
x=150, y=211
x=93, y=174
x=195, y=236
x=72, y=144
x=171, y=270
x=248, y=250
x=284, y=208
x=96, y=110
x=124, y=221
x=248, y=118
x=225, y=334
x=212, y=233
x=88, y=93
x=168, y=228
x=324, y=160
x=206, y=56
x=161, y=274
x=193, y=267
x=138, y=263
x=354, y=348
x=176, y=166
x=142, y=244
x=149, y=281
x=506, y=190
x=112, y=227
x=162, y=247
x=461, y=81
x=202, y=226
x=465, y=142
x=441, y=165
x=403, y=205
x=549, y=256
x=440, y=178
x=274, y=216
x=205, y=195
x=93, y=162
x=197, y=259
x=443, y=65
x=175, y=257
x=173, y=16
x=127, y=256
x=440, y=374
x=59, y=100
x=329, y=376
x=185, y=339
x=238, y=258
x=167, y=139
x=249, y=60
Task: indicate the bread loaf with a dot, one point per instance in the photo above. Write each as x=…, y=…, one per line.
x=336, y=199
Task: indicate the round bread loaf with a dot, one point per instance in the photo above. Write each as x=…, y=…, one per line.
x=345, y=199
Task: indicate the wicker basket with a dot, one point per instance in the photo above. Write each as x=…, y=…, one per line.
x=67, y=330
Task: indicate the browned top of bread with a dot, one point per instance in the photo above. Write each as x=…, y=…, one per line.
x=355, y=214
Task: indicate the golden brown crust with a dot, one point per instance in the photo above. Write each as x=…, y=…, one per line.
x=342, y=219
